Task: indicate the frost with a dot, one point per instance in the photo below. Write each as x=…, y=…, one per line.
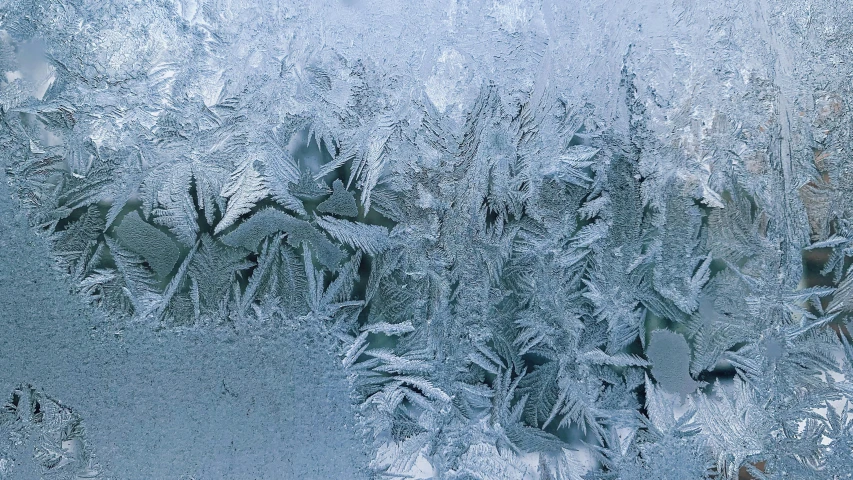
x=669, y=354
x=341, y=202
x=154, y=246
x=40, y=437
x=540, y=249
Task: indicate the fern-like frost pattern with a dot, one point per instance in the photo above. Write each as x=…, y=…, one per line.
x=539, y=255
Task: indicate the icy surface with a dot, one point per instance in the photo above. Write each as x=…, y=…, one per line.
x=167, y=405
x=520, y=239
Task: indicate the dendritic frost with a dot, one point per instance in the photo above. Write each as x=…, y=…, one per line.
x=540, y=252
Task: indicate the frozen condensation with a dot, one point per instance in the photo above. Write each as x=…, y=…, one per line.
x=545, y=240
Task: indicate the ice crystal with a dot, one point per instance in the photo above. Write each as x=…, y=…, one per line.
x=40, y=437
